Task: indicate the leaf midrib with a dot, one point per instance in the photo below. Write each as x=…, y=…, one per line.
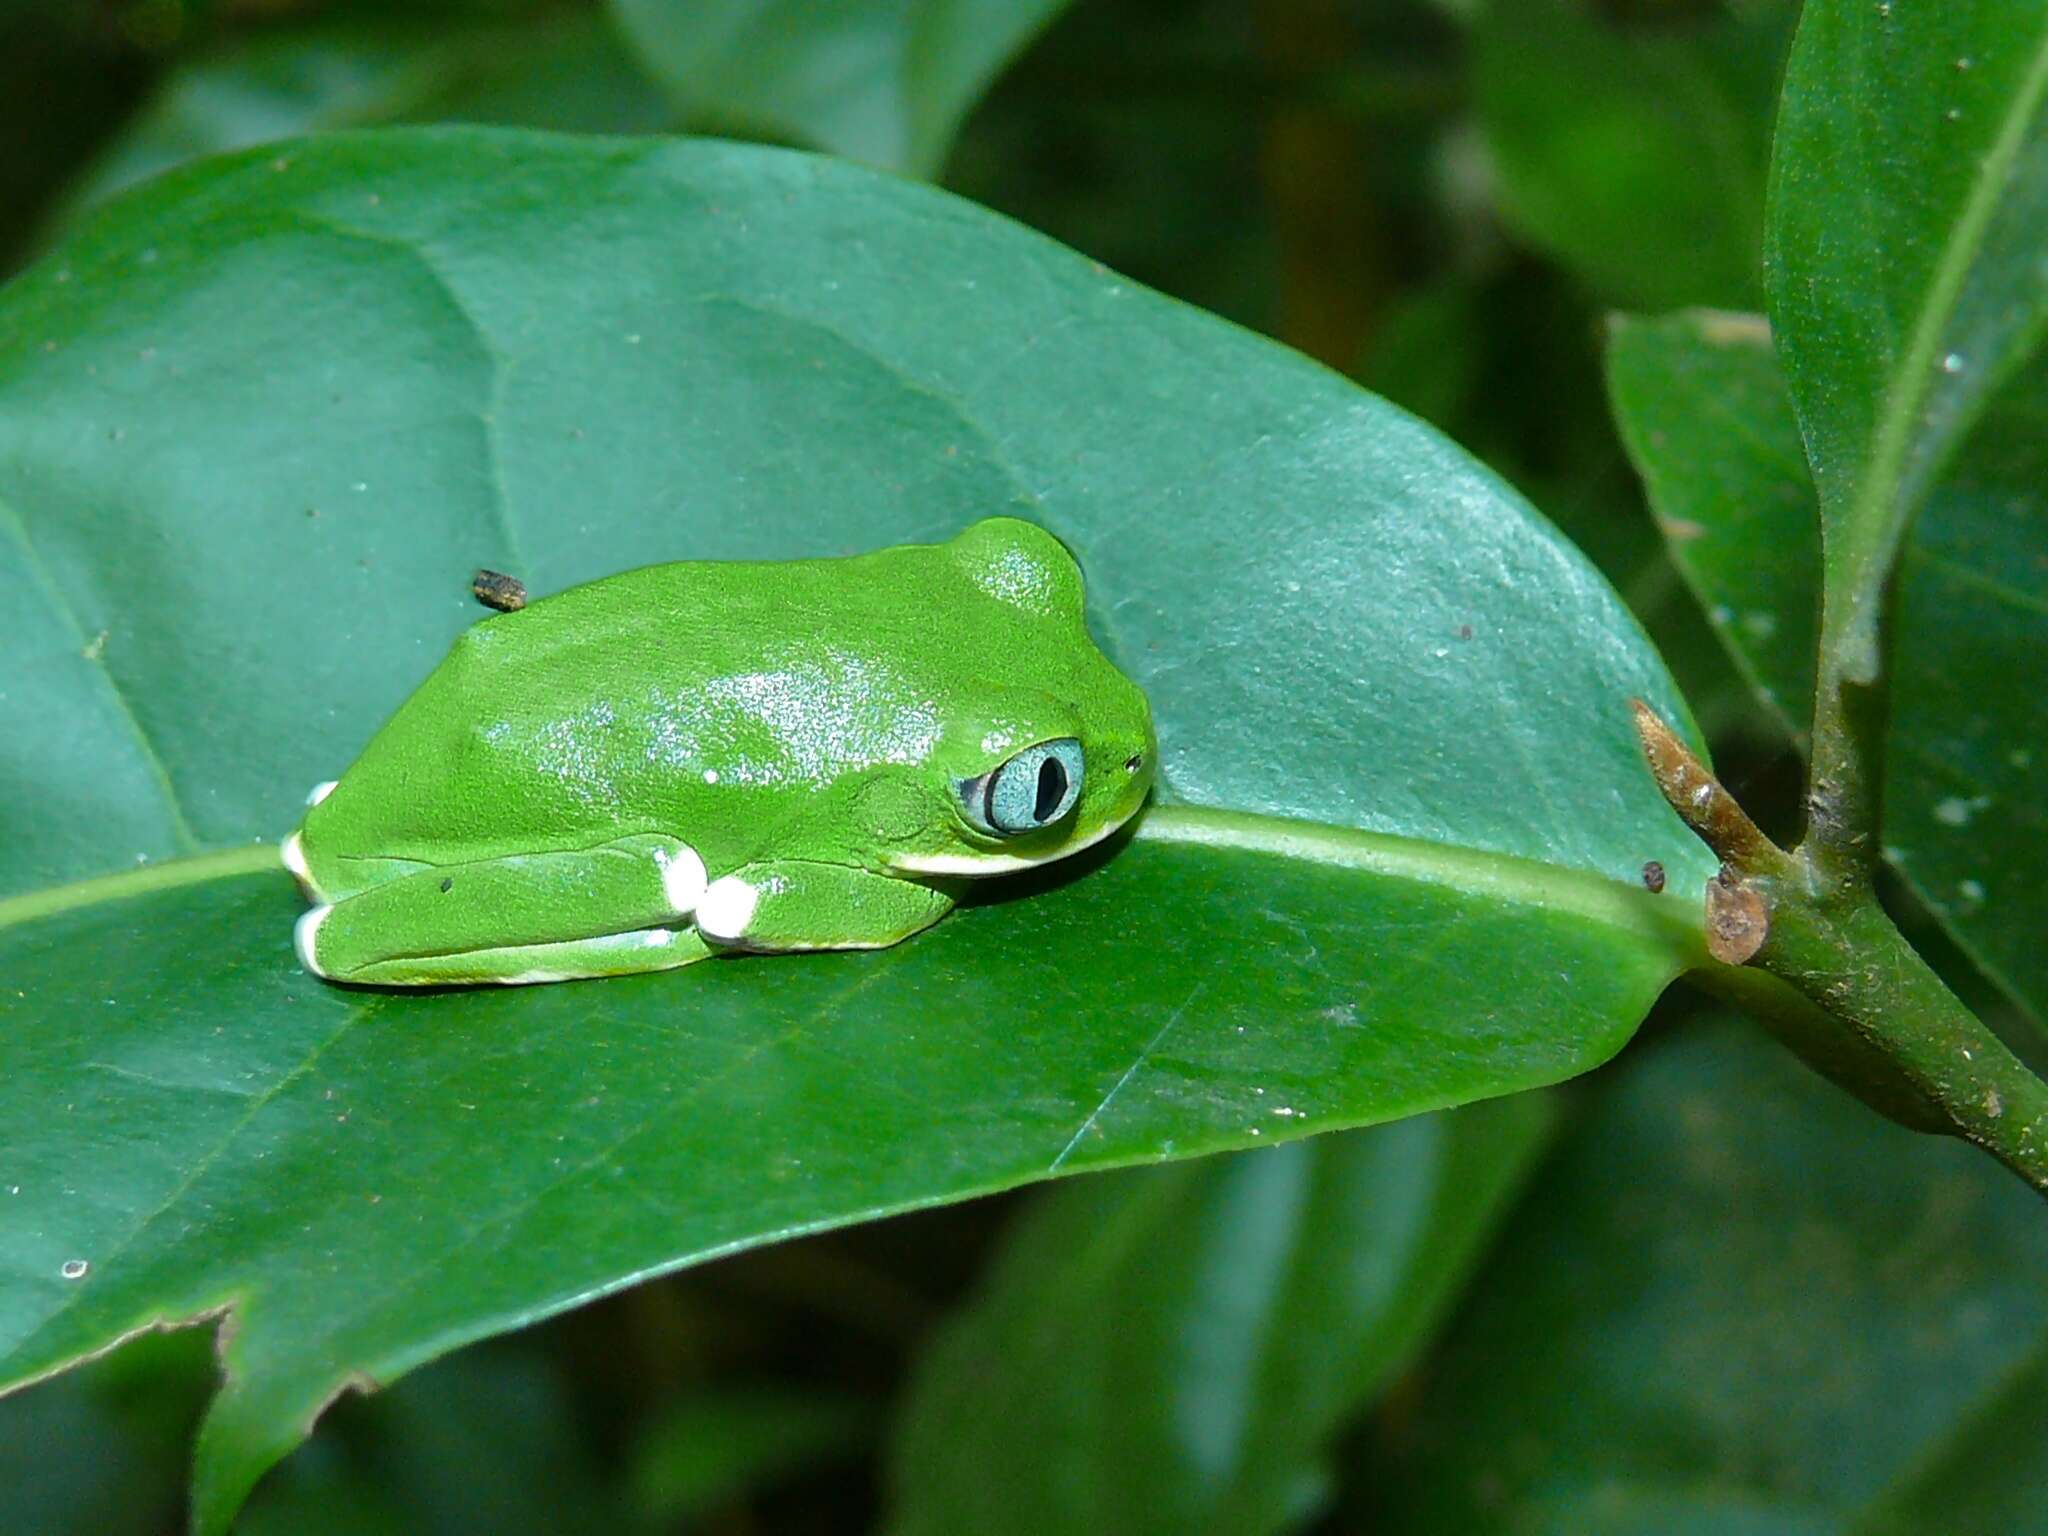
x=1666, y=921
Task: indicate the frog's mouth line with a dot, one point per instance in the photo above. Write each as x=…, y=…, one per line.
x=1003, y=863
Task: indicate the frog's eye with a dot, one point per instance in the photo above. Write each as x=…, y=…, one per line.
x=1033, y=789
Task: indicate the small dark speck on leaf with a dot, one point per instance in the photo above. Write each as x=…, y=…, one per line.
x=1464, y=631
x=494, y=589
x=448, y=884
x=1653, y=877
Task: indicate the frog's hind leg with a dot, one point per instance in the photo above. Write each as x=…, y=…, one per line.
x=604, y=911
x=610, y=954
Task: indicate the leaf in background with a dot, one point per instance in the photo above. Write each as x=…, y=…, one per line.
x=1908, y=214
x=1710, y=425
x=565, y=72
x=62, y=79
x=1428, y=352
x=883, y=81
x=1135, y=133
x=1172, y=1349
x=1635, y=151
x=710, y=1448
x=487, y=1441
x=259, y=422
x=104, y=1451
x=1985, y=1480
x=1702, y=406
x=1732, y=1302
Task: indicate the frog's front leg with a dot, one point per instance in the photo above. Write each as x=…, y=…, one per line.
x=795, y=904
x=617, y=908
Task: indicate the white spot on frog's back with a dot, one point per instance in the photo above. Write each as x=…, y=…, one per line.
x=1016, y=577
x=573, y=752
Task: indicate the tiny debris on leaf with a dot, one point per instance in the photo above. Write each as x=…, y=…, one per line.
x=1653, y=877
x=494, y=589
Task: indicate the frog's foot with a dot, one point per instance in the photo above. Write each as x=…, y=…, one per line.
x=600, y=911
x=292, y=852
x=793, y=904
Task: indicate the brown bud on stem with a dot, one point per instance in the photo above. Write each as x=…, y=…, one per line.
x=1701, y=802
x=1738, y=918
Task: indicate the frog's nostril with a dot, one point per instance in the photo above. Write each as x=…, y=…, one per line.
x=1134, y=762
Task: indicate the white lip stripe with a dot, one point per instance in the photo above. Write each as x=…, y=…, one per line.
x=293, y=855
x=321, y=791
x=993, y=863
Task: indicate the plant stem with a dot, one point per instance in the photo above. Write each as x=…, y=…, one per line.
x=1892, y=1032
x=1842, y=787
x=1852, y=960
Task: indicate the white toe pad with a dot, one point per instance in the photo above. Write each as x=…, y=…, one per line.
x=682, y=879
x=726, y=908
x=303, y=932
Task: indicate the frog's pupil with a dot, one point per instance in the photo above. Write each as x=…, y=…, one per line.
x=1052, y=789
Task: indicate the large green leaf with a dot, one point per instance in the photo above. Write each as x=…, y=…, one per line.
x=261, y=419
x=1635, y=148
x=1908, y=213
x=1734, y=1303
x=1710, y=425
x=884, y=81
x=1170, y=1349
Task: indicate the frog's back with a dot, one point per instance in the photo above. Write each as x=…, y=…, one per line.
x=665, y=699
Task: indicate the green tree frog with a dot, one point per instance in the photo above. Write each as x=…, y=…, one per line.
x=713, y=756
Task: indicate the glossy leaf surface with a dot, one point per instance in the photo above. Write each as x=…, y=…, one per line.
x=1710, y=426
x=261, y=420
x=1171, y=1349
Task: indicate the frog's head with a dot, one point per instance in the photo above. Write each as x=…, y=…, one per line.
x=1051, y=749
